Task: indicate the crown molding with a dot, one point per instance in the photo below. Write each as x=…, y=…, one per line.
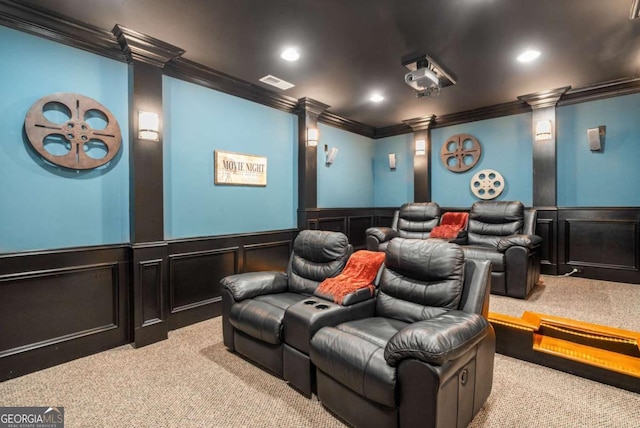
x=420, y=123
x=544, y=99
x=143, y=48
x=193, y=72
x=392, y=130
x=483, y=113
x=310, y=107
x=345, y=124
x=58, y=28
x=609, y=89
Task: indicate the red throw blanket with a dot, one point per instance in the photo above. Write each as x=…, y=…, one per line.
x=450, y=225
x=360, y=271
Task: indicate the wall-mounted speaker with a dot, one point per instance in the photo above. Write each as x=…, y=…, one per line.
x=594, y=135
x=331, y=155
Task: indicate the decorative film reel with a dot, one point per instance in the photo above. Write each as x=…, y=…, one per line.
x=487, y=184
x=71, y=142
x=460, y=152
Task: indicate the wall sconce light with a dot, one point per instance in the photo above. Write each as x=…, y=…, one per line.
x=543, y=130
x=392, y=161
x=148, y=126
x=331, y=154
x=312, y=137
x=421, y=147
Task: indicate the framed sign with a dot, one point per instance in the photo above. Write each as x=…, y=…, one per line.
x=239, y=169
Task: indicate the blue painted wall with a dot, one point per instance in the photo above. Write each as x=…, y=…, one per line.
x=506, y=147
x=43, y=206
x=606, y=178
x=197, y=121
x=348, y=183
x=393, y=188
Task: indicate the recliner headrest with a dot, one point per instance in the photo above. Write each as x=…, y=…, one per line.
x=497, y=212
x=320, y=246
x=419, y=211
x=425, y=260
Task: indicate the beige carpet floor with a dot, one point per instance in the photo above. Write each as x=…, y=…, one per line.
x=608, y=303
x=191, y=380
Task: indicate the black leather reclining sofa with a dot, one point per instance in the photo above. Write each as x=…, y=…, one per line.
x=425, y=358
x=269, y=317
x=418, y=354
x=503, y=232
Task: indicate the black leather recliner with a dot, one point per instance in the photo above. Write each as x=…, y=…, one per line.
x=269, y=317
x=425, y=359
x=414, y=220
x=503, y=232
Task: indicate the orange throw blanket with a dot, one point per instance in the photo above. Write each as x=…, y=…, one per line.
x=450, y=225
x=360, y=271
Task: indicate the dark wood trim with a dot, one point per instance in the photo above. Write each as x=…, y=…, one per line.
x=483, y=113
x=58, y=28
x=547, y=228
x=421, y=127
x=267, y=255
x=145, y=157
x=196, y=266
x=53, y=26
x=392, y=130
x=544, y=99
x=545, y=164
x=612, y=88
x=140, y=47
x=149, y=294
x=92, y=281
x=308, y=111
x=601, y=243
x=310, y=107
x=336, y=224
x=346, y=124
x=347, y=220
x=194, y=283
x=126, y=307
x=423, y=123
x=356, y=227
x=193, y=72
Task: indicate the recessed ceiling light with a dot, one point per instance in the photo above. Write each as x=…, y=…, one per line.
x=528, y=55
x=376, y=98
x=290, y=54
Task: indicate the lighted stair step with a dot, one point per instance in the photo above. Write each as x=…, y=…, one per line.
x=595, y=357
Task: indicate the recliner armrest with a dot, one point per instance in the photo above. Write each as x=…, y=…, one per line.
x=437, y=340
x=352, y=298
x=527, y=241
x=382, y=234
x=244, y=286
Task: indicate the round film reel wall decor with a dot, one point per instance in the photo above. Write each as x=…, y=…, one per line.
x=58, y=127
x=460, y=152
x=487, y=184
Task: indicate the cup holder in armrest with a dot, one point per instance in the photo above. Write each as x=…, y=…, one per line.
x=310, y=302
x=322, y=306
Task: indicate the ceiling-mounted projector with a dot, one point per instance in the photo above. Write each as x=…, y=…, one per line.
x=421, y=78
x=425, y=76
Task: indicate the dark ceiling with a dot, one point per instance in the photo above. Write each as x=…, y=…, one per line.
x=350, y=48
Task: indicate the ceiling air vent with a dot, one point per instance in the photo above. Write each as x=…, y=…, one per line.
x=278, y=83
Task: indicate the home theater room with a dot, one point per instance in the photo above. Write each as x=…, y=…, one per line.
x=320, y=213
